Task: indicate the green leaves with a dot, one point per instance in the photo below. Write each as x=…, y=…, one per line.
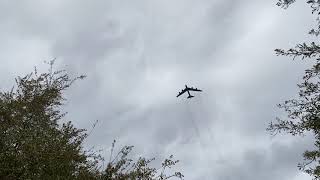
x=34, y=144
x=303, y=113
x=122, y=167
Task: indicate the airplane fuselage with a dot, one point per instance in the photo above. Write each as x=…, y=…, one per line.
x=189, y=93
x=188, y=89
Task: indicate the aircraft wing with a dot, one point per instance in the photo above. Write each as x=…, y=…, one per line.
x=180, y=93
x=193, y=89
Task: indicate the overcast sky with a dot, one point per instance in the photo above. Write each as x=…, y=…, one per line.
x=139, y=54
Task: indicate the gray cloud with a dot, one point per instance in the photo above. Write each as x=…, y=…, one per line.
x=139, y=54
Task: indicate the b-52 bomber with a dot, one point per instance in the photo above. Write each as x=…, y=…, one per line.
x=187, y=89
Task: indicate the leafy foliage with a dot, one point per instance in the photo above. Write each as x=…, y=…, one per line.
x=122, y=167
x=35, y=144
x=314, y=4
x=285, y=3
x=32, y=143
x=304, y=112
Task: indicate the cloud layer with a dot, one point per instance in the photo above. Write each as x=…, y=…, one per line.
x=139, y=54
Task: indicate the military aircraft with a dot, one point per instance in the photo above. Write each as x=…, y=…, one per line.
x=187, y=89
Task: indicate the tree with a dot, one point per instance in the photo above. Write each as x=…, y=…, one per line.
x=304, y=111
x=123, y=168
x=35, y=144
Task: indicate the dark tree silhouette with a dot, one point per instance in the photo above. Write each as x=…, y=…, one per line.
x=35, y=144
x=304, y=111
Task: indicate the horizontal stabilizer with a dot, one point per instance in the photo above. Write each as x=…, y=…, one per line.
x=190, y=96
